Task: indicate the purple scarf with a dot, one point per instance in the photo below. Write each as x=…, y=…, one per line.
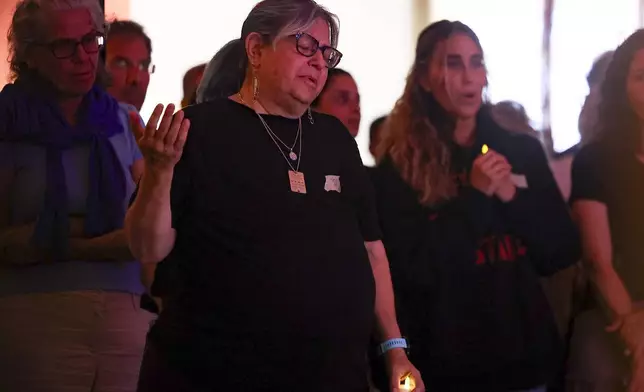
x=35, y=119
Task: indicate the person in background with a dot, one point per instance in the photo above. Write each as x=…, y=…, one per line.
x=275, y=240
x=375, y=133
x=607, y=191
x=191, y=81
x=588, y=117
x=69, y=286
x=471, y=218
x=221, y=78
x=512, y=116
x=128, y=56
x=340, y=98
x=561, y=163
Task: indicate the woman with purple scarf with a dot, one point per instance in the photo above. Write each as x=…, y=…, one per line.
x=69, y=288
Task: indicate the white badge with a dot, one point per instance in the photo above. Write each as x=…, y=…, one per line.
x=519, y=180
x=332, y=184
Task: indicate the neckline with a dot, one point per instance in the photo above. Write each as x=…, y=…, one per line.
x=264, y=115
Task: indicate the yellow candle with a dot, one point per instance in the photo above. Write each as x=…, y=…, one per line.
x=407, y=383
x=484, y=149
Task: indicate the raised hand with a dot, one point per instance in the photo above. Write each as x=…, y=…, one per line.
x=161, y=143
x=489, y=172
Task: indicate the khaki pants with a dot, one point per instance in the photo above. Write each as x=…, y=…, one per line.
x=82, y=341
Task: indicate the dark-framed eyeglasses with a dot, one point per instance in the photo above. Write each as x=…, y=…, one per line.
x=123, y=64
x=65, y=48
x=308, y=46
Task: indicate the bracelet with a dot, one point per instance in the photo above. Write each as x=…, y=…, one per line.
x=391, y=344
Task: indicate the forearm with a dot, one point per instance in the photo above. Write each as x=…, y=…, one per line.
x=544, y=224
x=613, y=292
x=148, y=222
x=108, y=247
x=385, y=309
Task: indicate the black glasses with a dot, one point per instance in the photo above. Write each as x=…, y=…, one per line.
x=308, y=46
x=66, y=48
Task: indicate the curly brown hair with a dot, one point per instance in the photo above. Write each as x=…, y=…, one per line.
x=419, y=146
x=619, y=125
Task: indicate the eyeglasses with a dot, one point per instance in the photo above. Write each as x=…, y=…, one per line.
x=66, y=48
x=308, y=46
x=124, y=64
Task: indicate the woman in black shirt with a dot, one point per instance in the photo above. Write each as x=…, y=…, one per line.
x=607, y=194
x=270, y=222
x=471, y=216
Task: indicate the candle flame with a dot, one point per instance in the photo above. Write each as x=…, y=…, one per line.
x=484, y=149
x=407, y=383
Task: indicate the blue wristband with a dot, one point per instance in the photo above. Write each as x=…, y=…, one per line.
x=391, y=344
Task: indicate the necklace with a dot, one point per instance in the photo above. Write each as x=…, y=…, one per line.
x=291, y=154
x=296, y=178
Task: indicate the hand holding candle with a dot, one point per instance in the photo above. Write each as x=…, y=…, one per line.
x=407, y=382
x=489, y=170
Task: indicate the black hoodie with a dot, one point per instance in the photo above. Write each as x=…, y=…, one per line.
x=466, y=273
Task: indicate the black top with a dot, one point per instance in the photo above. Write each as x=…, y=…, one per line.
x=271, y=285
x=466, y=272
x=616, y=179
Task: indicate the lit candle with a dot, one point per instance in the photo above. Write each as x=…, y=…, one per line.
x=407, y=382
x=484, y=149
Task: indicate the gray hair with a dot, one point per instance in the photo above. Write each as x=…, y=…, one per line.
x=28, y=17
x=273, y=20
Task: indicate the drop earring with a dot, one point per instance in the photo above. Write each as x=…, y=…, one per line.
x=255, y=88
x=310, y=115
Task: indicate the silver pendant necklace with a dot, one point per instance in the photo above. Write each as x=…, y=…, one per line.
x=291, y=154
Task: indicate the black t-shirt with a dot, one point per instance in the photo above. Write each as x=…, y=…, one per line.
x=616, y=179
x=274, y=284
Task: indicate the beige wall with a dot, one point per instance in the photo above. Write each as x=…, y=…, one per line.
x=119, y=9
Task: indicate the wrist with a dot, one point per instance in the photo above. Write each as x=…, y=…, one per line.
x=506, y=192
x=155, y=185
x=394, y=355
x=393, y=347
x=154, y=178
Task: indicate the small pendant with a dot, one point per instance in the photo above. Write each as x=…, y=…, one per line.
x=298, y=185
x=293, y=156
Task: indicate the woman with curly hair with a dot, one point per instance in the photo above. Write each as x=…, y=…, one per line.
x=471, y=217
x=607, y=192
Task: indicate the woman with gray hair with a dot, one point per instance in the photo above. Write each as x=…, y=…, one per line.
x=268, y=216
x=69, y=286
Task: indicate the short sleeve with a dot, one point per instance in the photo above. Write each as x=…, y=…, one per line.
x=362, y=192
x=133, y=147
x=588, y=180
